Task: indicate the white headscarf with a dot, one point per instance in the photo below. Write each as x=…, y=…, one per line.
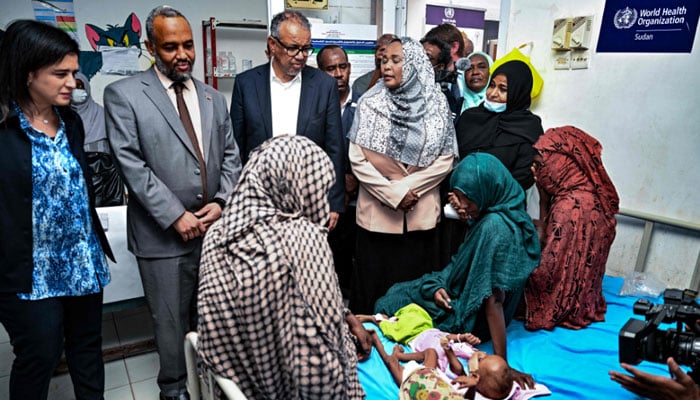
x=411, y=123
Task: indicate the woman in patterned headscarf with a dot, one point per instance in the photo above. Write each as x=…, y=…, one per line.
x=578, y=203
x=270, y=308
x=402, y=144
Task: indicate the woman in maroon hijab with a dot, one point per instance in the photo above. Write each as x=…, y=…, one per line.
x=578, y=203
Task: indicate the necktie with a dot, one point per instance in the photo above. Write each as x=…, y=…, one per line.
x=189, y=128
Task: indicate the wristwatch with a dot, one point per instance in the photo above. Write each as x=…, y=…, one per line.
x=220, y=202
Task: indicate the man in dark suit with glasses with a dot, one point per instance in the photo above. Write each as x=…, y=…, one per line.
x=287, y=97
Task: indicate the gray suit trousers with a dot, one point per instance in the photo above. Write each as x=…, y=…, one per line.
x=170, y=288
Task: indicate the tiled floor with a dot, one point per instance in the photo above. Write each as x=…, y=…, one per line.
x=131, y=378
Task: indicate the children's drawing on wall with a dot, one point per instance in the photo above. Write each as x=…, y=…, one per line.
x=58, y=13
x=125, y=35
x=118, y=45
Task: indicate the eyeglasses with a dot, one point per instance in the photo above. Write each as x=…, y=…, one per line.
x=292, y=51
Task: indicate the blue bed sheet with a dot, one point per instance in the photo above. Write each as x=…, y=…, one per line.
x=573, y=364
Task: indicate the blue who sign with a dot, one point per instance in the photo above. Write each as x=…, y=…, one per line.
x=648, y=26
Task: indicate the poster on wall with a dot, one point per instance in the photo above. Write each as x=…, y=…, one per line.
x=469, y=21
x=307, y=4
x=57, y=13
x=648, y=26
x=357, y=40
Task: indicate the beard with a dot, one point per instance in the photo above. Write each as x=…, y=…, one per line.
x=171, y=73
x=286, y=69
x=292, y=72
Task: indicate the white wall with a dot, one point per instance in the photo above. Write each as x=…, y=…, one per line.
x=102, y=13
x=640, y=106
x=643, y=109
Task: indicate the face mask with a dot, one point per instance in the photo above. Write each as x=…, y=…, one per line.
x=494, y=106
x=78, y=96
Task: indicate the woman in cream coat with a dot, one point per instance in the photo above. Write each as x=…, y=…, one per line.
x=402, y=145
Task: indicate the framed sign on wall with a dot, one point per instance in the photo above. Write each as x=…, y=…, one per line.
x=307, y=4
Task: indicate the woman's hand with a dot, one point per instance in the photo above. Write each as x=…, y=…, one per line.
x=442, y=299
x=524, y=380
x=409, y=201
x=453, y=200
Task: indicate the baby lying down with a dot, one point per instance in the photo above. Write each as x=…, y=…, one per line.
x=421, y=378
x=434, y=368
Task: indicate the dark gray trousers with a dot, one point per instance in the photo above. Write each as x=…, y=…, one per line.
x=170, y=288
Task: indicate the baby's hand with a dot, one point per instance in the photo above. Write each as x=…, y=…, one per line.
x=445, y=343
x=466, y=381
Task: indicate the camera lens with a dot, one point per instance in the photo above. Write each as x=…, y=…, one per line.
x=688, y=349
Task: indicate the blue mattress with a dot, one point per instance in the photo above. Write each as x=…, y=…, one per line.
x=572, y=364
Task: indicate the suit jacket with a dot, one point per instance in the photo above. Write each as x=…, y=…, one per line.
x=16, y=230
x=384, y=182
x=318, y=118
x=361, y=84
x=348, y=115
x=159, y=164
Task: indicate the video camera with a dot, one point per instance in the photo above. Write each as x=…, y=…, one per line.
x=643, y=340
x=445, y=76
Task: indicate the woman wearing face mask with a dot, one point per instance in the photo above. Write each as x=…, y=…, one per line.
x=107, y=184
x=473, y=84
x=502, y=125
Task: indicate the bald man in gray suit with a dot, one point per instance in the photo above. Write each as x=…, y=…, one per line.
x=180, y=162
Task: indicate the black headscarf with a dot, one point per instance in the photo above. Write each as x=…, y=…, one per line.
x=504, y=134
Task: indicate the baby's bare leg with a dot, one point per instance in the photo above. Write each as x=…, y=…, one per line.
x=391, y=361
x=427, y=357
x=366, y=318
x=431, y=358
x=418, y=356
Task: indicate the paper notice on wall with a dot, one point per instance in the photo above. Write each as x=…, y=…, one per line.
x=356, y=39
x=120, y=60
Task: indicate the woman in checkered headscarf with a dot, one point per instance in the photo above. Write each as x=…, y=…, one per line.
x=270, y=308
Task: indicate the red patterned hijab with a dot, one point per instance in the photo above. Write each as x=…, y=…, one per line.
x=569, y=152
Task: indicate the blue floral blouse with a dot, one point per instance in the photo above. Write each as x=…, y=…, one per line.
x=68, y=257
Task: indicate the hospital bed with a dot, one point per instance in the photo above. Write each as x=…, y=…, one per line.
x=573, y=364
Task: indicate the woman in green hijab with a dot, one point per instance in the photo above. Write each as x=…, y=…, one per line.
x=479, y=290
x=474, y=81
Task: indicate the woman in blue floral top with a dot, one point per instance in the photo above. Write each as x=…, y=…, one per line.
x=52, y=247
